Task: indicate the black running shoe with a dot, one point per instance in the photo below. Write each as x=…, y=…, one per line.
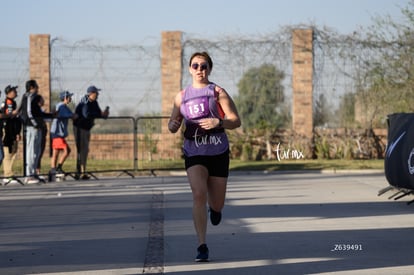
x=202, y=253
x=85, y=177
x=215, y=217
x=59, y=171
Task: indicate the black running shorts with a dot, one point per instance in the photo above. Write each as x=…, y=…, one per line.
x=217, y=166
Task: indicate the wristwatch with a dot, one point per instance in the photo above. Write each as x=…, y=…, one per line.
x=220, y=123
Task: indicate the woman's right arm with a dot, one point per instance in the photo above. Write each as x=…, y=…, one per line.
x=176, y=118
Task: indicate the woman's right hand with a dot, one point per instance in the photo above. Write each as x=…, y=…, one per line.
x=174, y=125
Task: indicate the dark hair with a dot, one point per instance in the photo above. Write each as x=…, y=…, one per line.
x=205, y=56
x=9, y=88
x=31, y=84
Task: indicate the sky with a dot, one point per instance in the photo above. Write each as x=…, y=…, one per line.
x=120, y=22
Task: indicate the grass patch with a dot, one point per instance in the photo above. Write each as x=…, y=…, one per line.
x=235, y=165
x=274, y=165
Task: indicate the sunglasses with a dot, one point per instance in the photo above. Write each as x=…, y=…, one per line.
x=203, y=66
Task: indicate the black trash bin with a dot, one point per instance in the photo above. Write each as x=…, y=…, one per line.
x=399, y=155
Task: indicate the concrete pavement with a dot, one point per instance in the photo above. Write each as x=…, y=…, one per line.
x=276, y=223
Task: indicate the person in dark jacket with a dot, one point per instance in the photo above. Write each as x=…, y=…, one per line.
x=44, y=132
x=11, y=133
x=87, y=111
x=33, y=119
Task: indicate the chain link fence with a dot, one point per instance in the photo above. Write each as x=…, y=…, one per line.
x=14, y=67
x=129, y=75
x=130, y=79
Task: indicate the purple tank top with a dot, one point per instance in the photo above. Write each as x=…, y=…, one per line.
x=196, y=104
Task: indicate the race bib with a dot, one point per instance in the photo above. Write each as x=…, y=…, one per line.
x=197, y=107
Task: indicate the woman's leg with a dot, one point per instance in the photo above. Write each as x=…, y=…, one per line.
x=216, y=192
x=198, y=178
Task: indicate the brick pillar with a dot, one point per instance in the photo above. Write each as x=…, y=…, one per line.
x=171, y=67
x=171, y=76
x=302, y=118
x=39, y=61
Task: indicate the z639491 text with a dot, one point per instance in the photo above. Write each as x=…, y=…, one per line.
x=347, y=247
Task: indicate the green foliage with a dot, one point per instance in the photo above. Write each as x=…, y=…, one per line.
x=386, y=83
x=322, y=148
x=346, y=111
x=346, y=150
x=321, y=111
x=247, y=152
x=260, y=99
x=148, y=142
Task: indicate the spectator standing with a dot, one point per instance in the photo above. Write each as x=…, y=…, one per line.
x=11, y=133
x=33, y=119
x=87, y=111
x=59, y=132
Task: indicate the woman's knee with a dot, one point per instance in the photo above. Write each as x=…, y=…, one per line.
x=199, y=197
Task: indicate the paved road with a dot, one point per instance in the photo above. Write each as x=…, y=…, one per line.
x=286, y=223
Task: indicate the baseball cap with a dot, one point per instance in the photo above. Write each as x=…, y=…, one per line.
x=10, y=88
x=92, y=89
x=65, y=94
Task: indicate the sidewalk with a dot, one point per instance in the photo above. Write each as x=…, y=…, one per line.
x=278, y=223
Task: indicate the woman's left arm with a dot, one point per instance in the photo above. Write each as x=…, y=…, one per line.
x=231, y=119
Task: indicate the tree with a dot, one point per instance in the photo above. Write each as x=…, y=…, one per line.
x=260, y=101
x=321, y=112
x=260, y=98
x=346, y=110
x=386, y=80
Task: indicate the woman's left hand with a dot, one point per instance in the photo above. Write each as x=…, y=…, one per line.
x=209, y=123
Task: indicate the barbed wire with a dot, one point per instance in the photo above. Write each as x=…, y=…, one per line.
x=129, y=75
x=14, y=67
